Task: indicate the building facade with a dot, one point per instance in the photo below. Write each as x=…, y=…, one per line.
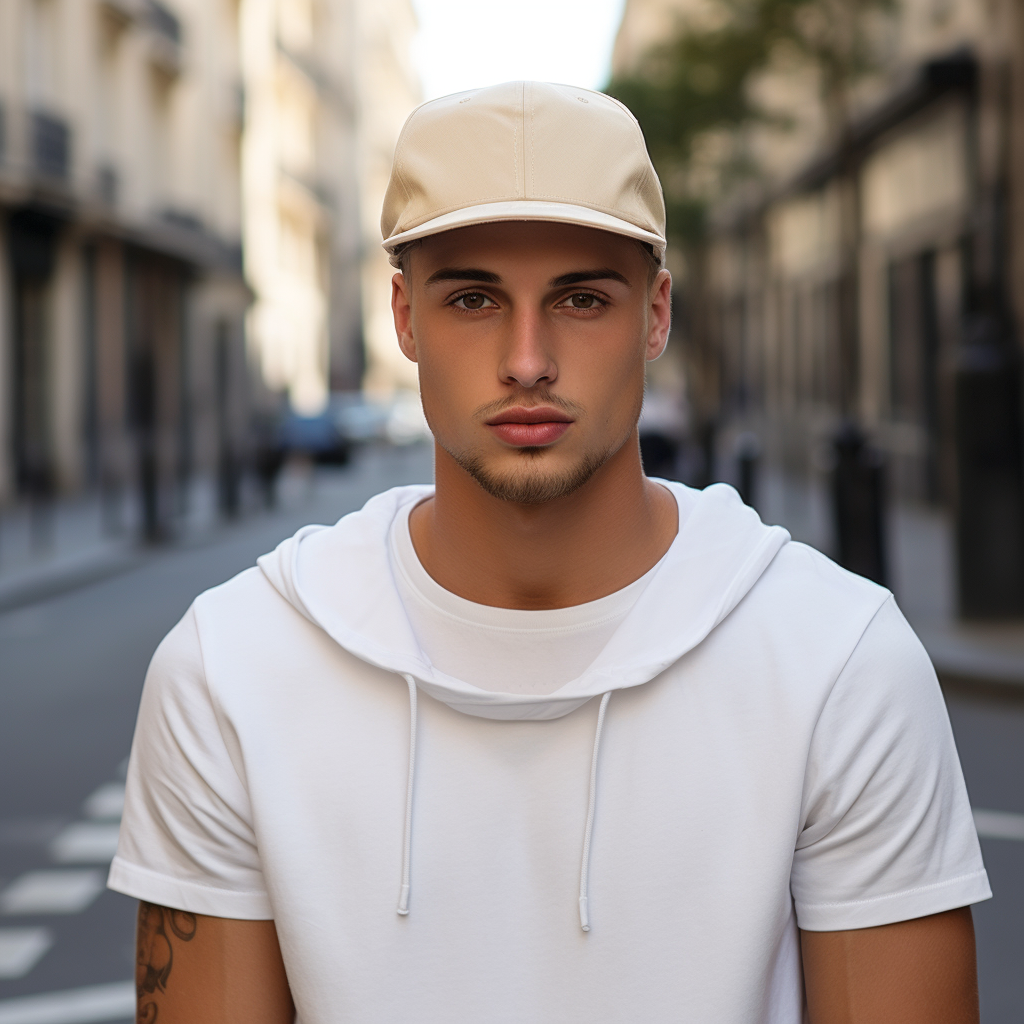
x=389, y=90
x=871, y=288
x=122, y=300
x=189, y=197
x=328, y=85
x=877, y=292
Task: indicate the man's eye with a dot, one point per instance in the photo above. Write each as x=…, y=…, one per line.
x=473, y=301
x=583, y=300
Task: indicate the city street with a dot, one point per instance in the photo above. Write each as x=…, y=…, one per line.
x=989, y=728
x=72, y=668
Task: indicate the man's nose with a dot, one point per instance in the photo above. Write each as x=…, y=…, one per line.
x=528, y=359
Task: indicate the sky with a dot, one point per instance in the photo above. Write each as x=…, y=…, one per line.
x=468, y=43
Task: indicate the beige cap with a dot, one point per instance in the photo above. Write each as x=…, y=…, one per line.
x=523, y=151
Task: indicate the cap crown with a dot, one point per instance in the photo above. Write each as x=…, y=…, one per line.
x=522, y=143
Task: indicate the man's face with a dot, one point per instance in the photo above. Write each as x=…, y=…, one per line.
x=531, y=341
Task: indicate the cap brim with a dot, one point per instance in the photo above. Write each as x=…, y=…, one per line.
x=528, y=209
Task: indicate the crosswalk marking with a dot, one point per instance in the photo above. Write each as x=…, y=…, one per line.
x=21, y=949
x=61, y=891
x=51, y=892
x=92, y=1005
x=86, y=842
x=107, y=802
x=999, y=824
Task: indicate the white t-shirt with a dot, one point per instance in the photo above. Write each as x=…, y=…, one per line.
x=775, y=755
x=508, y=650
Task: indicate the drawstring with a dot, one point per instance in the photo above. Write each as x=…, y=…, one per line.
x=588, y=832
x=403, y=896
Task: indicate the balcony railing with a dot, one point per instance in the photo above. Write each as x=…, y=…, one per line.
x=51, y=146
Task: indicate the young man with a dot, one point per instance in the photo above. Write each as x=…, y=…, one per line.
x=549, y=741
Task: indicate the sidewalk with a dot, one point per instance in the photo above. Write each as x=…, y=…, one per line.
x=68, y=544
x=81, y=547
x=922, y=567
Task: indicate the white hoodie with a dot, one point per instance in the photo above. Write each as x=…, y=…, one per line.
x=769, y=750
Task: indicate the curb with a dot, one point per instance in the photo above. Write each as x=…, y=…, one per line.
x=48, y=581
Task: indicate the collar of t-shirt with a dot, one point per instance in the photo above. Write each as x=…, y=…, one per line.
x=506, y=650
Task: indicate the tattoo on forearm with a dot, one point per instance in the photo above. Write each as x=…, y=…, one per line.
x=154, y=954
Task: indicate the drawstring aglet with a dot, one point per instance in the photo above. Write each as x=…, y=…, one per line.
x=584, y=914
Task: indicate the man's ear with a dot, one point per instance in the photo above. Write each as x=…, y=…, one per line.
x=401, y=309
x=659, y=315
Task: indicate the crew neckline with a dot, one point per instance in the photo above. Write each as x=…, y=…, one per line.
x=425, y=588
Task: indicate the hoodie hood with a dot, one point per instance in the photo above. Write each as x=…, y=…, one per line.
x=342, y=579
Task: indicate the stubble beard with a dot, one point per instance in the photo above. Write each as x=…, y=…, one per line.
x=527, y=483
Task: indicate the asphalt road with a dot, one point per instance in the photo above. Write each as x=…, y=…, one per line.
x=70, y=674
x=988, y=723
x=71, y=670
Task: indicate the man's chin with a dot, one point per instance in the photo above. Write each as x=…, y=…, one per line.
x=532, y=479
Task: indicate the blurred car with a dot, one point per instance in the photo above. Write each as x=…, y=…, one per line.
x=351, y=419
x=406, y=423
x=397, y=420
x=318, y=437
x=358, y=418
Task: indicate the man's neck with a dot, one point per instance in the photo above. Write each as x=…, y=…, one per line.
x=560, y=553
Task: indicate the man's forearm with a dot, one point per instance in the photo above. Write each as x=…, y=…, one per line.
x=915, y=972
x=195, y=969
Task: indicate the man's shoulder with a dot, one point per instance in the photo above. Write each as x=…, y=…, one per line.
x=233, y=601
x=803, y=573
x=810, y=611
x=245, y=590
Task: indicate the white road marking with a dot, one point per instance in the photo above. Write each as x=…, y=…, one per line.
x=105, y=802
x=51, y=892
x=999, y=824
x=75, y=1006
x=21, y=949
x=86, y=842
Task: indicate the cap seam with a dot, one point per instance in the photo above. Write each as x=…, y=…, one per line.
x=637, y=189
x=399, y=168
x=533, y=143
x=515, y=151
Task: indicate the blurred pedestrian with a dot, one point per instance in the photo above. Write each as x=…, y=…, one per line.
x=549, y=741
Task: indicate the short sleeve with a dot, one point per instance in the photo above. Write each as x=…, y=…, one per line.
x=186, y=837
x=887, y=832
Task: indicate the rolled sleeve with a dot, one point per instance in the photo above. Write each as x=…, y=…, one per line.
x=186, y=838
x=887, y=831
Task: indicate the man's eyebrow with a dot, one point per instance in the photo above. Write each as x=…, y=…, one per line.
x=579, y=276
x=463, y=274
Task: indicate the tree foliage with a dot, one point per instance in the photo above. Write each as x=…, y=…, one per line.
x=698, y=83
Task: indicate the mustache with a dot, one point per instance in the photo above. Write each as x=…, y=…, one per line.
x=529, y=400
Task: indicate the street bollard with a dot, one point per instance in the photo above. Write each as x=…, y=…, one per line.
x=748, y=457
x=990, y=478
x=858, y=493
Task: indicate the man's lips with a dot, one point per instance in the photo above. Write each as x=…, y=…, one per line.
x=533, y=414
x=530, y=428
